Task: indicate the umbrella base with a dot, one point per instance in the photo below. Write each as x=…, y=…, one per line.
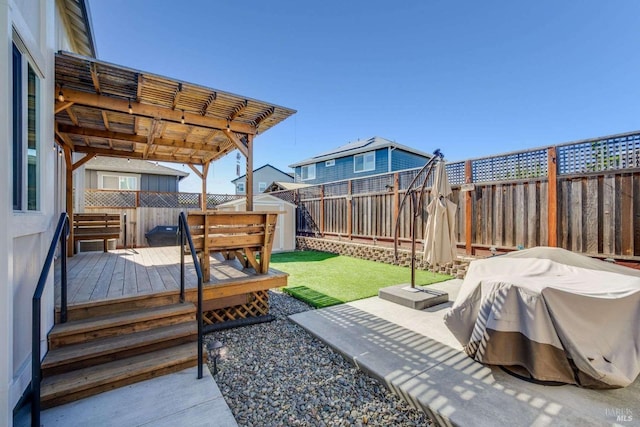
x=418, y=298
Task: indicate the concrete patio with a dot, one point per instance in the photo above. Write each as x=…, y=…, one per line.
x=415, y=355
x=177, y=399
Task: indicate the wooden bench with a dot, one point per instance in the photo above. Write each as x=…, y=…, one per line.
x=240, y=234
x=95, y=226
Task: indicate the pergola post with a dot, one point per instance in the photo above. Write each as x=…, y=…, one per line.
x=249, y=183
x=205, y=172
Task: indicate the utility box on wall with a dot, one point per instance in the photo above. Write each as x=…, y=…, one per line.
x=284, y=239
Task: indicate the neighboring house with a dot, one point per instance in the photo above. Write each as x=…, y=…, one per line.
x=283, y=186
x=357, y=159
x=262, y=177
x=112, y=173
x=34, y=191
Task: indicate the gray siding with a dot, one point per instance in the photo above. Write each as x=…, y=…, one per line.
x=266, y=175
x=159, y=183
x=155, y=183
x=343, y=167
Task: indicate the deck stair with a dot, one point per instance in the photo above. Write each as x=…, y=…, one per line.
x=97, y=354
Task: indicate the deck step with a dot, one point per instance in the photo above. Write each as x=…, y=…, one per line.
x=95, y=352
x=85, y=310
x=119, y=324
x=81, y=383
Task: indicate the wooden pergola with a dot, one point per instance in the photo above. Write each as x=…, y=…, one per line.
x=110, y=110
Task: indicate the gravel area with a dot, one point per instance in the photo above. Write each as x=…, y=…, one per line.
x=276, y=374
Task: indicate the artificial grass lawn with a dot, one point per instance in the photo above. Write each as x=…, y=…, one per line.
x=323, y=279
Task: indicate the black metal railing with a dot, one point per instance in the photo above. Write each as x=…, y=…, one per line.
x=185, y=237
x=59, y=236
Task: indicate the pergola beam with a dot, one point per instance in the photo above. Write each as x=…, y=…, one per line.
x=237, y=110
x=94, y=78
x=61, y=106
x=154, y=111
x=138, y=139
x=108, y=152
x=82, y=161
x=237, y=142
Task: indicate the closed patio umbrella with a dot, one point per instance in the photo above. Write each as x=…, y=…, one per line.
x=440, y=238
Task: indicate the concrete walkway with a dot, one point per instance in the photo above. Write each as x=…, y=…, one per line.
x=416, y=356
x=178, y=399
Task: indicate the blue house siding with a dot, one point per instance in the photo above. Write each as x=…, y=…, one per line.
x=401, y=160
x=343, y=169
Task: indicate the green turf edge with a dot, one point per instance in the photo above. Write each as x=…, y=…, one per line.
x=313, y=298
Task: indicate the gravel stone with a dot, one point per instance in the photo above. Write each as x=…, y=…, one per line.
x=276, y=374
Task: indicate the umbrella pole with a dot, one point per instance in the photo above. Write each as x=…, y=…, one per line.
x=414, y=210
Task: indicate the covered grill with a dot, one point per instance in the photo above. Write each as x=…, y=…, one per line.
x=163, y=235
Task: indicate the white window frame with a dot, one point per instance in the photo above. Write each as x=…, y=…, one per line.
x=372, y=161
x=262, y=186
x=330, y=163
x=102, y=175
x=311, y=172
x=22, y=202
x=240, y=187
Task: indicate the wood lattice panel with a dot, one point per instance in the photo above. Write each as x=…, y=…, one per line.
x=257, y=305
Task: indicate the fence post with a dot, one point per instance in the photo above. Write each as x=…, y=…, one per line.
x=552, y=197
x=468, y=179
x=396, y=197
x=322, y=210
x=349, y=210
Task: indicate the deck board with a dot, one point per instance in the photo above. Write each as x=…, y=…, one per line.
x=123, y=273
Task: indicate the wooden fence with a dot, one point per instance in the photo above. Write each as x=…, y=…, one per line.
x=142, y=211
x=583, y=196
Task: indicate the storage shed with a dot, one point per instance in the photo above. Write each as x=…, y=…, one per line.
x=285, y=237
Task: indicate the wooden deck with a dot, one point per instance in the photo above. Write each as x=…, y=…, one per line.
x=125, y=273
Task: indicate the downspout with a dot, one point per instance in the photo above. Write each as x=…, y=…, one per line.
x=390, y=150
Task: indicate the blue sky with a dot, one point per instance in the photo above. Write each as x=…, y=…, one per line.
x=473, y=78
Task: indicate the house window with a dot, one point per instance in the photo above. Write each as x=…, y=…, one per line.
x=364, y=162
x=26, y=133
x=261, y=187
x=308, y=172
x=118, y=182
x=240, y=188
x=328, y=163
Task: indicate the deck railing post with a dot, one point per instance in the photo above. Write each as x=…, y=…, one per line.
x=61, y=232
x=63, y=272
x=181, y=228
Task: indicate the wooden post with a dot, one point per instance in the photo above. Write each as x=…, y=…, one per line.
x=249, y=181
x=69, y=196
x=552, y=197
x=468, y=179
x=396, y=199
x=205, y=172
x=205, y=261
x=349, y=210
x=321, y=210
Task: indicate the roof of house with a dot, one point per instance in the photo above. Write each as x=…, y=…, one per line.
x=114, y=164
x=262, y=167
x=78, y=18
x=356, y=147
x=283, y=185
x=262, y=197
